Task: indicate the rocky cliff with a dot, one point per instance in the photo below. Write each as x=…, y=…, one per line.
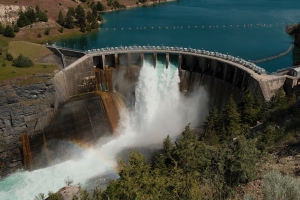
x=22, y=104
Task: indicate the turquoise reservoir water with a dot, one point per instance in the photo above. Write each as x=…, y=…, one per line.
x=200, y=24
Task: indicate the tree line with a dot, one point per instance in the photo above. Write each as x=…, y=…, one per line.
x=25, y=18
x=78, y=18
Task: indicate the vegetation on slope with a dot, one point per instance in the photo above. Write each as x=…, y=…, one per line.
x=10, y=50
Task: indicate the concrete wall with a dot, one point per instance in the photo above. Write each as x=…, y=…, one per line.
x=78, y=78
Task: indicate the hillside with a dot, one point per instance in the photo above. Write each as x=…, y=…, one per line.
x=9, y=14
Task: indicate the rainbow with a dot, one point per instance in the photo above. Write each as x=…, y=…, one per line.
x=95, y=156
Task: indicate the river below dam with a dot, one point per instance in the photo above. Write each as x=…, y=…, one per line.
x=249, y=29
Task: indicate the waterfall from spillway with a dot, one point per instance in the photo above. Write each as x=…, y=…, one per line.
x=160, y=110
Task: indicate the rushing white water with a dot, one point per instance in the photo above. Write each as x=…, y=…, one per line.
x=160, y=110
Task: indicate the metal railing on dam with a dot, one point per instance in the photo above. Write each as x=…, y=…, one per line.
x=166, y=49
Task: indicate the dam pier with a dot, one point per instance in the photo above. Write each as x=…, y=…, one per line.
x=93, y=88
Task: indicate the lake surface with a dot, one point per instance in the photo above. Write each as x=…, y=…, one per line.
x=200, y=24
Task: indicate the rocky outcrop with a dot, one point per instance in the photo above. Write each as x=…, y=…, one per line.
x=9, y=13
x=22, y=105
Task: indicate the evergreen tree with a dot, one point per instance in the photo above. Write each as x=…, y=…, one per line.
x=1, y=28
x=100, y=7
x=37, y=11
x=9, y=31
x=260, y=107
x=248, y=110
x=22, y=61
x=71, y=11
x=100, y=18
x=94, y=12
x=88, y=28
x=190, y=153
x=43, y=17
x=82, y=28
x=69, y=22
x=241, y=161
x=94, y=23
x=16, y=28
x=22, y=20
x=89, y=17
x=80, y=15
x=30, y=14
x=278, y=100
x=61, y=18
x=211, y=127
x=231, y=118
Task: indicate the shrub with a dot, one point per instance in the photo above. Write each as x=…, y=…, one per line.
x=47, y=31
x=22, y=61
x=9, y=57
x=16, y=28
x=39, y=35
x=1, y=51
x=68, y=181
x=9, y=31
x=278, y=186
x=1, y=28
x=88, y=28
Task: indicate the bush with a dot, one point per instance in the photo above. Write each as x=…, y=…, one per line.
x=39, y=35
x=9, y=57
x=1, y=51
x=278, y=186
x=22, y=61
x=68, y=181
x=88, y=28
x=47, y=31
x=9, y=31
x=16, y=28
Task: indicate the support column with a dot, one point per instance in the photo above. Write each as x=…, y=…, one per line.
x=214, y=67
x=154, y=59
x=103, y=61
x=244, y=80
x=116, y=60
x=128, y=60
x=142, y=59
x=225, y=70
x=234, y=76
x=167, y=60
x=203, y=64
x=179, y=61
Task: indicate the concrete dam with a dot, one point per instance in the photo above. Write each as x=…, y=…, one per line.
x=90, y=94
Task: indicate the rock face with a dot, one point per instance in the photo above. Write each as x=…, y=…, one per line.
x=21, y=108
x=9, y=13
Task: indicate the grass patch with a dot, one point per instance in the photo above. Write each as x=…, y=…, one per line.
x=33, y=51
x=10, y=71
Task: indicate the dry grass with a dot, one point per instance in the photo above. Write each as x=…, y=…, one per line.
x=31, y=50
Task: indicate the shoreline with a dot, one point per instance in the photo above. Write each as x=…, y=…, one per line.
x=146, y=4
x=75, y=32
